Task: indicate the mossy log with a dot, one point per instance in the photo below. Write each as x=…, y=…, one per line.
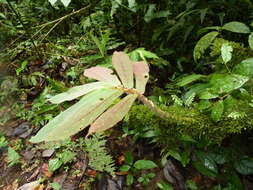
x=185, y=121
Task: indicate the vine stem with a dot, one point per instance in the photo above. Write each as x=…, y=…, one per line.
x=160, y=113
x=154, y=108
x=62, y=18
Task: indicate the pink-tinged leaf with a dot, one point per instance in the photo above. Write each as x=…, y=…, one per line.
x=124, y=68
x=78, y=116
x=113, y=115
x=102, y=74
x=77, y=91
x=141, y=71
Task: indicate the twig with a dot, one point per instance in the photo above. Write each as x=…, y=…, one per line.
x=160, y=113
x=64, y=17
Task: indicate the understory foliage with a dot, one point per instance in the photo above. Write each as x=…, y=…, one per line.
x=177, y=74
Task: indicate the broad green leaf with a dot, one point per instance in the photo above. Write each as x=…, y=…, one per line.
x=217, y=111
x=237, y=27
x=203, y=104
x=244, y=166
x=78, y=116
x=65, y=2
x=203, y=170
x=197, y=89
x=141, y=71
x=54, y=164
x=67, y=156
x=13, y=157
x=191, y=185
x=188, y=79
x=2, y=16
x=55, y=186
x=250, y=40
x=142, y=54
x=113, y=115
x=132, y=5
x=129, y=159
x=124, y=68
x=225, y=83
x=244, y=68
x=175, y=154
x=206, y=95
x=226, y=52
x=164, y=186
x=150, y=13
x=115, y=5
x=22, y=68
x=203, y=44
x=220, y=156
x=77, y=91
x=206, y=165
x=3, y=142
x=144, y=164
x=52, y=1
x=146, y=54
x=130, y=179
x=102, y=74
x=125, y=168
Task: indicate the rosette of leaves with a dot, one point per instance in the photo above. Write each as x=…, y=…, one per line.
x=95, y=108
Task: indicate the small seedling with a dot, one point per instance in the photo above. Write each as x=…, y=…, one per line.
x=134, y=167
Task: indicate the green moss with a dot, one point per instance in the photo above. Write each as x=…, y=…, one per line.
x=185, y=121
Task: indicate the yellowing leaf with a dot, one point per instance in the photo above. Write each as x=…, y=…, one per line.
x=102, y=74
x=141, y=71
x=78, y=116
x=77, y=91
x=124, y=68
x=113, y=115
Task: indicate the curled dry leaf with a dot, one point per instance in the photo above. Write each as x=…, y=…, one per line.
x=141, y=71
x=102, y=74
x=124, y=68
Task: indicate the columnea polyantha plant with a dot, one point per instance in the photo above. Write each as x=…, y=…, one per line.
x=95, y=107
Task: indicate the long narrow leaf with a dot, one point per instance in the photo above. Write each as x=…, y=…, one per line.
x=76, y=92
x=102, y=74
x=124, y=68
x=141, y=71
x=78, y=116
x=113, y=115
